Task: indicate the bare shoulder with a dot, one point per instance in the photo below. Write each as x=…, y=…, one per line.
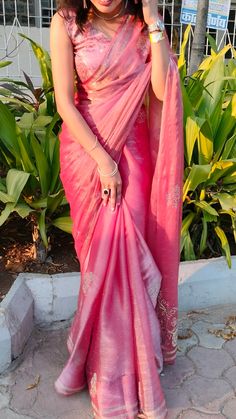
x=57, y=19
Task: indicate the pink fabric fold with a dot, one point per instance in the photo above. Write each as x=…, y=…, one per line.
x=125, y=325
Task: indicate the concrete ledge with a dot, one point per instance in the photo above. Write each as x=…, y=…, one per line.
x=43, y=299
x=16, y=321
x=55, y=296
x=206, y=282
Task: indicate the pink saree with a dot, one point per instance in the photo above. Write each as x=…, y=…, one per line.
x=125, y=325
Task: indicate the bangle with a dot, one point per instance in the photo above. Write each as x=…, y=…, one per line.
x=109, y=174
x=155, y=37
x=157, y=26
x=95, y=144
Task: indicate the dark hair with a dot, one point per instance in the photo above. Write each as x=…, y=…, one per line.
x=82, y=14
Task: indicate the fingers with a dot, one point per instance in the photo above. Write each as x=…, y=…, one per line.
x=114, y=196
x=105, y=196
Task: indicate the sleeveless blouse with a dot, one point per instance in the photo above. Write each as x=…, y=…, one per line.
x=91, y=43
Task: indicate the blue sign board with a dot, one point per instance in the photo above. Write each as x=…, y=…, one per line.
x=218, y=13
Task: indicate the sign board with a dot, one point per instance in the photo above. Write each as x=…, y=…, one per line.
x=218, y=13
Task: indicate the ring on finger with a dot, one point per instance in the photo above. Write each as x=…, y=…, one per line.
x=106, y=191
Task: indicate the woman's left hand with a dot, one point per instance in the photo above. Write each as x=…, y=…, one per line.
x=150, y=11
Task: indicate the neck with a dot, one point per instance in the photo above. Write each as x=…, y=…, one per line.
x=109, y=16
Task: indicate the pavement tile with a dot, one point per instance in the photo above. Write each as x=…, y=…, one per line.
x=174, y=375
x=47, y=360
x=184, y=328
x=210, y=362
x=74, y=415
x=23, y=400
x=230, y=374
x=206, y=339
x=177, y=400
x=229, y=409
x=218, y=314
x=53, y=404
x=9, y=414
x=189, y=394
x=193, y=414
x=230, y=347
x=206, y=393
x=4, y=400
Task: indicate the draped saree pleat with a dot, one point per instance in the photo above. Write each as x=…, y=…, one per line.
x=124, y=327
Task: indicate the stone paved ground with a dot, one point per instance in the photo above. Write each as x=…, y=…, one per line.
x=201, y=385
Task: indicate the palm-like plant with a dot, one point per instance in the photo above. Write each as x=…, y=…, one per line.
x=209, y=193
x=29, y=152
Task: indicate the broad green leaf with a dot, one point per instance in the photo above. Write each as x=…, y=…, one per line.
x=226, y=125
x=229, y=146
x=36, y=204
x=8, y=133
x=224, y=244
x=203, y=241
x=182, y=59
x=4, y=63
x=26, y=159
x=221, y=169
x=42, y=166
x=209, y=218
x=206, y=207
x=55, y=168
x=233, y=220
x=41, y=121
x=23, y=210
x=6, y=212
x=226, y=200
x=205, y=144
x=212, y=43
x=192, y=130
x=63, y=223
x=197, y=175
x=42, y=228
x=214, y=83
x=26, y=120
x=54, y=201
x=15, y=182
x=188, y=108
x=186, y=222
x=43, y=60
x=231, y=179
x=19, y=102
x=216, y=115
x=188, y=248
x=4, y=197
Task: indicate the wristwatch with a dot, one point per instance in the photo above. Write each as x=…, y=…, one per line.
x=157, y=26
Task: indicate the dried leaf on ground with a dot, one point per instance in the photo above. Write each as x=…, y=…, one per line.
x=185, y=334
x=35, y=384
x=229, y=331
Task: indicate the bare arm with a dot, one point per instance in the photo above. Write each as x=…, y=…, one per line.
x=159, y=51
x=62, y=58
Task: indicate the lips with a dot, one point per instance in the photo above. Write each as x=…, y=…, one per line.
x=105, y=2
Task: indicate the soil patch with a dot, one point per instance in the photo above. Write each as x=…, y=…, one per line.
x=17, y=253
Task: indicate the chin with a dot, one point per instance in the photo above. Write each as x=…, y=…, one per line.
x=106, y=6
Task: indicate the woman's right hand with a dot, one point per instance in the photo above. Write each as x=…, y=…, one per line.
x=113, y=183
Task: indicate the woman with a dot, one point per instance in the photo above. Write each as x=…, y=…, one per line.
x=121, y=167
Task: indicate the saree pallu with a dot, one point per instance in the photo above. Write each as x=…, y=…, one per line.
x=125, y=325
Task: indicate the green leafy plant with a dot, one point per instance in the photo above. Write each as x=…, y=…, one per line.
x=209, y=193
x=29, y=155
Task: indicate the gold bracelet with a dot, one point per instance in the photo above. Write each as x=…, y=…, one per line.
x=156, y=36
x=109, y=174
x=94, y=146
